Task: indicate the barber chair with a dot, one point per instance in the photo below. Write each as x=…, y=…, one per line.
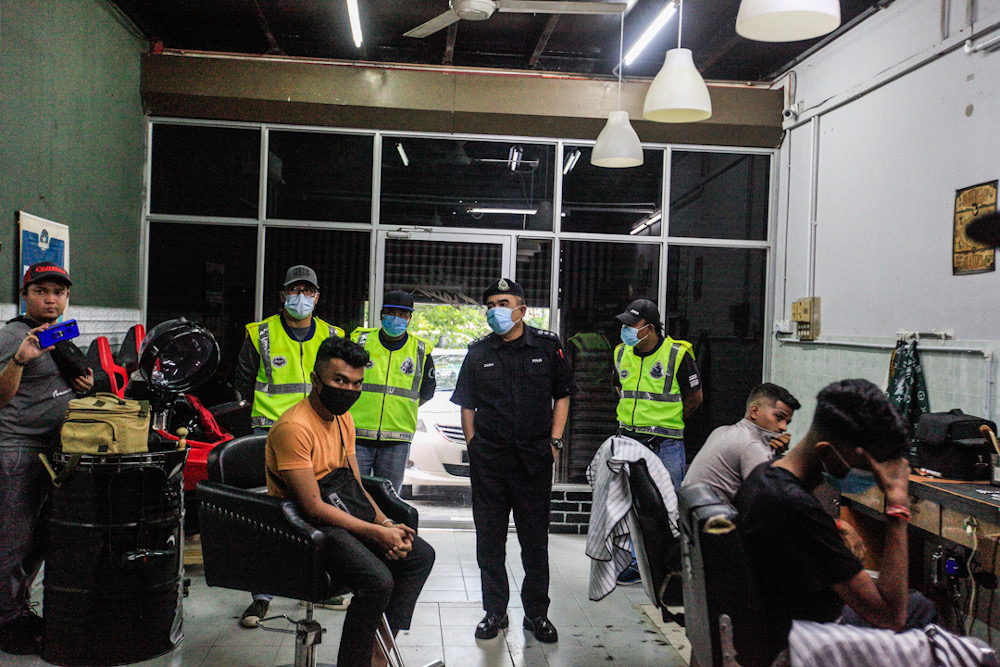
x=657, y=551
x=721, y=604
x=245, y=533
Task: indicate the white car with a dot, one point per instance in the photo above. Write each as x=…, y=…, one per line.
x=438, y=456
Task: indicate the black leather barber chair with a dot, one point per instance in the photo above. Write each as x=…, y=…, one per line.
x=721, y=604
x=657, y=551
x=247, y=535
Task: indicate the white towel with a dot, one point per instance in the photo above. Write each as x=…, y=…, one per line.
x=608, y=534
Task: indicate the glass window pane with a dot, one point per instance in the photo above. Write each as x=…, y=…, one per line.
x=534, y=275
x=206, y=273
x=596, y=282
x=319, y=176
x=198, y=170
x=715, y=300
x=459, y=183
x=611, y=201
x=719, y=195
x=340, y=260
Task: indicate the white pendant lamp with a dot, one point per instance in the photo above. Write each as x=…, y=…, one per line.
x=787, y=20
x=617, y=145
x=678, y=93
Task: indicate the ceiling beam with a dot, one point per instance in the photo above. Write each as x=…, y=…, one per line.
x=436, y=99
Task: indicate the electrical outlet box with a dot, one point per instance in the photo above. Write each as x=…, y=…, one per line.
x=783, y=327
x=805, y=314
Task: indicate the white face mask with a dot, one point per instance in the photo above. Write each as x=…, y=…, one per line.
x=299, y=306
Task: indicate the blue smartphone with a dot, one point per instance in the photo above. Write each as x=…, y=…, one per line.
x=55, y=334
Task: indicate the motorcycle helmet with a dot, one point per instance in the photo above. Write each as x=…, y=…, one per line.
x=177, y=356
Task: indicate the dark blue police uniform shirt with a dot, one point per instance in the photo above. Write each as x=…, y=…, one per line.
x=511, y=385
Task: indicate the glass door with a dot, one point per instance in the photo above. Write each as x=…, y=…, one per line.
x=446, y=274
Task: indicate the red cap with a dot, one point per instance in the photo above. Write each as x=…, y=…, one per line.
x=45, y=271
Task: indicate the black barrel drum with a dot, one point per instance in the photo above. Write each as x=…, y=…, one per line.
x=113, y=573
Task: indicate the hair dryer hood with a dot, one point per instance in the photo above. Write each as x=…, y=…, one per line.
x=177, y=356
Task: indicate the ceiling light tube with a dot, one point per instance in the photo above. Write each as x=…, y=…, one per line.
x=571, y=161
x=646, y=223
x=352, y=12
x=508, y=211
x=402, y=154
x=661, y=20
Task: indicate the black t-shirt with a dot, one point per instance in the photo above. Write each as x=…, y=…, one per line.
x=796, y=552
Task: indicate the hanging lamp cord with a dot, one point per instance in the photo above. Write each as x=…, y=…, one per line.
x=680, y=21
x=621, y=63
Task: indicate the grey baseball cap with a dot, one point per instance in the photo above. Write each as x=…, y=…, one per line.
x=301, y=273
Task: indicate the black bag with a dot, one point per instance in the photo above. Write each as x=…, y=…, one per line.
x=341, y=489
x=950, y=444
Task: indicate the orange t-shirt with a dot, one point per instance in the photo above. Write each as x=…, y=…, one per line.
x=302, y=439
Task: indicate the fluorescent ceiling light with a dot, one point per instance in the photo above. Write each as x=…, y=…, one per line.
x=571, y=161
x=509, y=211
x=352, y=12
x=514, y=157
x=661, y=20
x=646, y=223
x=402, y=154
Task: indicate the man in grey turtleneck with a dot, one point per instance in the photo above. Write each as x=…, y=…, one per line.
x=732, y=452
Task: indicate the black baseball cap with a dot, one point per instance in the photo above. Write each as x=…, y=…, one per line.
x=397, y=298
x=503, y=286
x=45, y=271
x=640, y=309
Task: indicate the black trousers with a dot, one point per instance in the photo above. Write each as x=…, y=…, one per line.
x=496, y=491
x=379, y=586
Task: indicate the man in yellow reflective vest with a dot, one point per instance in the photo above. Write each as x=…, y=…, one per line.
x=659, y=386
x=275, y=361
x=399, y=378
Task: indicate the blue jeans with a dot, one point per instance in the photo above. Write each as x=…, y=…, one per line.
x=388, y=461
x=24, y=488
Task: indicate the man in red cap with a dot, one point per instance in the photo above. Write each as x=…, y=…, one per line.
x=33, y=400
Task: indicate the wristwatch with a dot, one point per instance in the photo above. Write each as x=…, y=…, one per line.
x=557, y=443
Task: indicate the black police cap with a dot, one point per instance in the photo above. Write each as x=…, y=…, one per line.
x=503, y=286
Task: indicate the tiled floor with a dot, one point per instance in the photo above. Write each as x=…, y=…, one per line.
x=614, y=631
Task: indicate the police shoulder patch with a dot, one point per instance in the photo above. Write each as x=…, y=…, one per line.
x=479, y=340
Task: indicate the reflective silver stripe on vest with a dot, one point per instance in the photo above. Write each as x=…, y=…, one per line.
x=647, y=396
x=261, y=422
x=275, y=389
x=394, y=391
x=265, y=354
x=671, y=365
x=618, y=359
x=414, y=391
x=655, y=430
x=372, y=434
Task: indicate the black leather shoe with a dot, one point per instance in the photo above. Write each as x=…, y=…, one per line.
x=543, y=629
x=490, y=626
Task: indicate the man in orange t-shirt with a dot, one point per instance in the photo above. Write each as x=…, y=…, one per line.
x=384, y=564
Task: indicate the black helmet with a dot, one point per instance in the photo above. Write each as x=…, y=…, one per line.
x=177, y=356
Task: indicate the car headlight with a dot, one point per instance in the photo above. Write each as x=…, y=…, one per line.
x=420, y=426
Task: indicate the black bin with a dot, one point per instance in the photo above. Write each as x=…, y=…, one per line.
x=113, y=573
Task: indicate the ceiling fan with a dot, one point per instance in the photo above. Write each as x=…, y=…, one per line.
x=480, y=10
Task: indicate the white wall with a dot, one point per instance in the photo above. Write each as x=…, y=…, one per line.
x=894, y=143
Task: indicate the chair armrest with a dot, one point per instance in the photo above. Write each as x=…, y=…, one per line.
x=388, y=500
x=251, y=541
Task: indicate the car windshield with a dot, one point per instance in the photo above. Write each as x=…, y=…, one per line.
x=446, y=368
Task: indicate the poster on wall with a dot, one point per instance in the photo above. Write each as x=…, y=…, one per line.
x=968, y=256
x=42, y=241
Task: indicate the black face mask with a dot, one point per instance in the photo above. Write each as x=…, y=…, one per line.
x=338, y=401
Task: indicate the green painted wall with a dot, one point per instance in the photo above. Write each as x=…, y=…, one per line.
x=71, y=141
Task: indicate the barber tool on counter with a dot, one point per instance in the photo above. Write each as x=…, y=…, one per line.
x=114, y=572
x=951, y=445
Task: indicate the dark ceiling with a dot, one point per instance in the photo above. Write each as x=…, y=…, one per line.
x=574, y=44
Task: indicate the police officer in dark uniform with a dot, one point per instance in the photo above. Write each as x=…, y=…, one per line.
x=514, y=390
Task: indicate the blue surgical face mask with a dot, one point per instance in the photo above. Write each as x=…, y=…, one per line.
x=299, y=306
x=500, y=320
x=630, y=335
x=856, y=481
x=394, y=326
